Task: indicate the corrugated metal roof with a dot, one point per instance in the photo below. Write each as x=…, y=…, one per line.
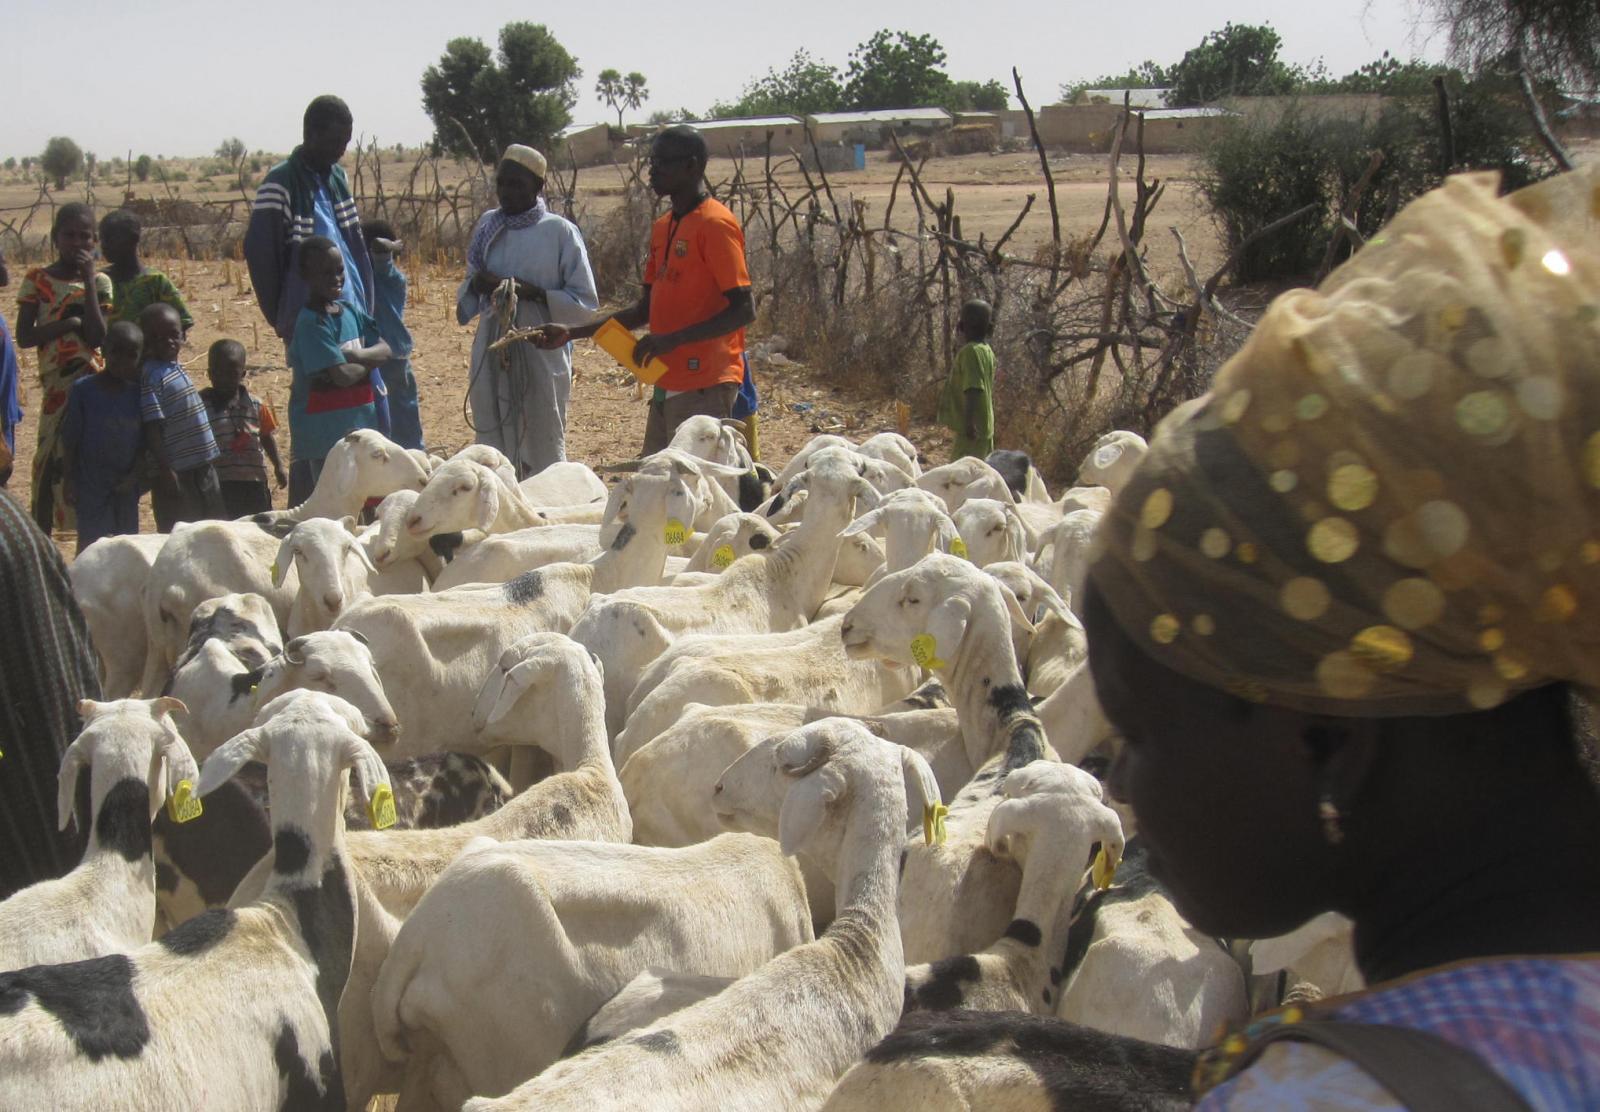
x=746, y=121
x=1185, y=113
x=1137, y=98
x=880, y=116
x=578, y=129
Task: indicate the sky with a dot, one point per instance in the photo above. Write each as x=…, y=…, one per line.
x=198, y=72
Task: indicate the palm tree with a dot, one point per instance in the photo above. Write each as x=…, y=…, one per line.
x=621, y=92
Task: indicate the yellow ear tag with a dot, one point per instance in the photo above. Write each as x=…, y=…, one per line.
x=925, y=651
x=958, y=547
x=723, y=556
x=273, y=570
x=184, y=805
x=933, y=832
x=676, y=531
x=1104, y=870
x=380, y=808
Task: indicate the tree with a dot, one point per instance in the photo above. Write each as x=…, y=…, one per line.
x=669, y=116
x=1558, y=39
x=895, y=69
x=89, y=160
x=972, y=96
x=621, y=92
x=61, y=159
x=1145, y=75
x=1239, y=60
x=482, y=101
x=11, y=163
x=141, y=167
x=232, y=152
x=801, y=88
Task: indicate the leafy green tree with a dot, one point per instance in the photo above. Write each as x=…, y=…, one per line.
x=896, y=69
x=1558, y=39
x=666, y=116
x=621, y=92
x=973, y=96
x=1145, y=75
x=11, y=163
x=801, y=88
x=1387, y=76
x=141, y=167
x=1239, y=60
x=232, y=152
x=482, y=101
x=61, y=159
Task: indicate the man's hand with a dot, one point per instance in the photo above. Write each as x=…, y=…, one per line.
x=83, y=263
x=527, y=291
x=551, y=336
x=485, y=282
x=652, y=346
x=280, y=476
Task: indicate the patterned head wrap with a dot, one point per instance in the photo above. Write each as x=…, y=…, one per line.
x=1389, y=503
x=528, y=158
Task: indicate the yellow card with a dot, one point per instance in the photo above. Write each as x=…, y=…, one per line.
x=1104, y=871
x=958, y=547
x=184, y=805
x=722, y=557
x=676, y=532
x=925, y=651
x=933, y=832
x=380, y=808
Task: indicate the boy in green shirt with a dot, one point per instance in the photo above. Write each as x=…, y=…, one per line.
x=967, y=405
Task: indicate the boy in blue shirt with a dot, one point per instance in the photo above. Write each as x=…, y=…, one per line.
x=332, y=356
x=101, y=441
x=389, y=307
x=177, y=430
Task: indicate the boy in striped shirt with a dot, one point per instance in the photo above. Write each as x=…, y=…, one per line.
x=176, y=429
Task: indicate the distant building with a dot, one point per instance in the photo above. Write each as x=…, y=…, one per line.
x=584, y=144
x=1137, y=98
x=748, y=135
x=872, y=128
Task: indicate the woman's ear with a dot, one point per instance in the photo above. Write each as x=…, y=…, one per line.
x=1341, y=753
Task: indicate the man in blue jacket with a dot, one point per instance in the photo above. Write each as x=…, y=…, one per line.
x=306, y=195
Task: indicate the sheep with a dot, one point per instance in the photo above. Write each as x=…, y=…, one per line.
x=108, y=581
x=124, y=1031
x=482, y=1008
x=887, y=447
x=1317, y=956
x=956, y=898
x=1021, y=476
x=730, y=537
x=719, y=441
x=332, y=568
x=1073, y=720
x=1112, y=460
x=860, y=557
x=1008, y=1062
x=781, y=1036
x=502, y=556
x=363, y=465
x=405, y=564
x=433, y=650
x=992, y=531
x=1071, y=545
x=201, y=561
x=772, y=593
x=912, y=523
x=1051, y=817
x=807, y=664
x=243, y=623
x=107, y=904
x=1132, y=966
x=464, y=494
x=565, y=483
x=652, y=995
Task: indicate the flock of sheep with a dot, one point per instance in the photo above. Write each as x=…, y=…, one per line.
x=688, y=805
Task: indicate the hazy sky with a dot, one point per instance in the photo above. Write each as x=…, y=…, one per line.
x=176, y=77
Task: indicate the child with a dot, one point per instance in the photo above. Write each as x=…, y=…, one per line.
x=967, y=405
x=242, y=427
x=101, y=441
x=176, y=429
x=55, y=316
x=332, y=355
x=133, y=287
x=389, y=304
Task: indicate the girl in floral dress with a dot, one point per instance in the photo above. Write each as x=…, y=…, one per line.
x=55, y=316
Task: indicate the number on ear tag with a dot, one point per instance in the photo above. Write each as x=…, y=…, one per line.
x=380, y=808
x=184, y=805
x=1104, y=870
x=675, y=532
x=925, y=651
x=958, y=547
x=933, y=832
x=722, y=557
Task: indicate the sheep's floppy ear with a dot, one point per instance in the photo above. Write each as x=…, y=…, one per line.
x=868, y=521
x=1020, y=539
x=790, y=509
x=283, y=561
x=922, y=790
x=866, y=494
x=948, y=533
x=1005, y=823
x=355, y=546
x=229, y=758
x=367, y=768
x=1019, y=617
x=488, y=502
x=88, y=708
x=179, y=761
x=948, y=624
x=812, y=790
x=295, y=651
x=516, y=681
x=341, y=471
x=1050, y=599
x=614, y=499
x=358, y=635
x=1106, y=827
x=73, y=761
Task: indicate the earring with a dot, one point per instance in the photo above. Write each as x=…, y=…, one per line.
x=1332, y=820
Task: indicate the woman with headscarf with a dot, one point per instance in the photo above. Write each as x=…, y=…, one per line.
x=1337, y=616
x=519, y=393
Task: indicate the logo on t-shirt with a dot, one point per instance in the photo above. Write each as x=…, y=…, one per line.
x=680, y=248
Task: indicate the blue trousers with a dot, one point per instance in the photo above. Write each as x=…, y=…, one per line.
x=104, y=512
x=405, y=417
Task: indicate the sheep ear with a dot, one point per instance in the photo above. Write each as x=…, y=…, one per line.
x=358, y=635
x=349, y=523
x=1019, y=617
x=922, y=790
x=805, y=805
x=948, y=533
x=229, y=758
x=368, y=769
x=88, y=708
x=867, y=495
x=488, y=503
x=360, y=551
x=74, y=761
x=1107, y=829
x=1004, y=825
x=168, y=706
x=295, y=651
x=517, y=681
x=340, y=471
x=284, y=560
x=865, y=523
x=179, y=761
x=948, y=623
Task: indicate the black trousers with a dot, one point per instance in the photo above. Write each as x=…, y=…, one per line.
x=198, y=498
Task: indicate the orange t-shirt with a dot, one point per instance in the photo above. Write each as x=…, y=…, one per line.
x=694, y=260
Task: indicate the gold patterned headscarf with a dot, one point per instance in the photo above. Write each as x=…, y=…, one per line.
x=1389, y=503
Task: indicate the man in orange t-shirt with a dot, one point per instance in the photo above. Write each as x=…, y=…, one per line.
x=696, y=297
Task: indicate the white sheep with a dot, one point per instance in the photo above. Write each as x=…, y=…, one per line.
x=564, y=483
x=405, y=563
x=1071, y=546
x=912, y=524
x=464, y=494
x=1050, y=819
x=499, y=557
x=730, y=537
x=333, y=570
x=363, y=465
x=992, y=531
x=129, y=1031
x=886, y=447
x=781, y=1036
x=808, y=664
x=106, y=905
x=953, y=483
x=1317, y=955
x=652, y=995
x=244, y=623
x=481, y=1009
x=1112, y=460
x=108, y=581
